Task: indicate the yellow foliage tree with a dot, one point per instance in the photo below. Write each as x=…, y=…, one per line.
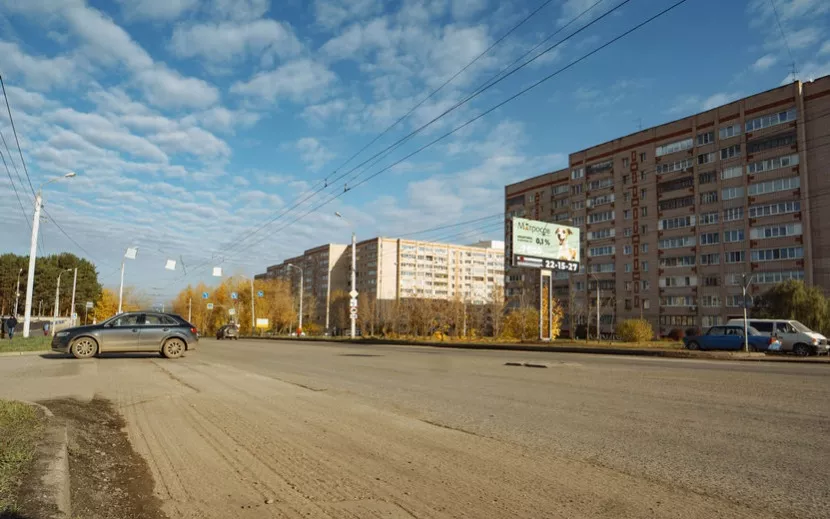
x=107, y=304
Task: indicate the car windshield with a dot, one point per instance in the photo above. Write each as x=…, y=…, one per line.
x=753, y=331
x=800, y=327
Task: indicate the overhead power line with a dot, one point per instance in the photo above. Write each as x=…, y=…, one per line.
x=14, y=131
x=471, y=121
x=784, y=37
x=14, y=187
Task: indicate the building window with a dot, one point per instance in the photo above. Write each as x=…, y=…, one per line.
x=628, y=267
x=770, y=143
x=579, y=204
x=773, y=164
x=710, y=238
x=733, y=236
x=737, y=256
x=603, y=216
x=785, y=253
x=625, y=162
x=561, y=189
x=627, y=250
x=643, y=156
x=710, y=259
x=731, y=193
x=766, y=121
x=644, y=211
x=578, y=221
x=733, y=214
x=599, y=167
x=577, y=173
x=707, y=178
x=625, y=179
x=677, y=203
x=773, y=278
x=627, y=196
x=643, y=193
x=775, y=231
x=626, y=214
x=643, y=175
x=644, y=229
x=601, y=184
x=644, y=247
x=706, y=158
x=773, y=186
x=646, y=304
x=576, y=189
x=677, y=261
x=671, y=167
x=674, y=185
x=605, y=250
x=644, y=266
x=730, y=152
x=627, y=232
x=709, y=218
x=600, y=200
x=711, y=281
x=733, y=172
x=676, y=243
x=601, y=234
x=729, y=131
x=600, y=268
x=673, y=147
x=759, y=211
x=676, y=223
x=705, y=138
x=710, y=197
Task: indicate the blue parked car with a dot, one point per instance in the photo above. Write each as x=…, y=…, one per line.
x=731, y=337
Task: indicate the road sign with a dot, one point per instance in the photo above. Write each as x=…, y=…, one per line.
x=234, y=295
x=353, y=303
x=89, y=305
x=353, y=312
x=204, y=295
x=353, y=294
x=260, y=293
x=232, y=311
x=210, y=306
x=545, y=245
x=261, y=322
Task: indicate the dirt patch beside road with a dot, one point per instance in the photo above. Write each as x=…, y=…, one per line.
x=21, y=426
x=108, y=478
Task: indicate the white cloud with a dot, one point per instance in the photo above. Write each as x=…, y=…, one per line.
x=825, y=49
x=167, y=88
x=240, y=10
x=764, y=62
x=719, y=99
x=320, y=113
x=573, y=8
x=193, y=141
x=313, y=153
x=156, y=10
x=333, y=13
x=464, y=9
x=226, y=42
x=298, y=81
x=40, y=73
x=809, y=71
x=804, y=38
x=220, y=119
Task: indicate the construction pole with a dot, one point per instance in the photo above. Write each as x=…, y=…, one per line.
x=353, y=315
x=30, y=280
x=253, y=308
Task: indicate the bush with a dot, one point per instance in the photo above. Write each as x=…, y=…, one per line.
x=676, y=334
x=635, y=330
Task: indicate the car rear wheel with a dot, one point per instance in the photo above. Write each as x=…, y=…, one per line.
x=802, y=350
x=693, y=346
x=84, y=348
x=173, y=348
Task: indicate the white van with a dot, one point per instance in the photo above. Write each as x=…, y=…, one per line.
x=794, y=336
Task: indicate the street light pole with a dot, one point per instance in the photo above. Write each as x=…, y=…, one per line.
x=300, y=320
x=353, y=315
x=129, y=253
x=17, y=292
x=745, y=282
x=56, y=311
x=30, y=280
x=253, y=308
x=72, y=310
x=598, y=316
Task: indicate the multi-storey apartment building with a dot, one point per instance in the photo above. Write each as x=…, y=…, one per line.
x=675, y=217
x=388, y=269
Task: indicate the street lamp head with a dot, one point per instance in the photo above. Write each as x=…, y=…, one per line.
x=71, y=174
x=337, y=214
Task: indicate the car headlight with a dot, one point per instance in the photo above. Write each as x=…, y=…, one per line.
x=61, y=334
x=815, y=341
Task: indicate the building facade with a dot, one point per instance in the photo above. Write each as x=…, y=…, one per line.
x=389, y=269
x=675, y=218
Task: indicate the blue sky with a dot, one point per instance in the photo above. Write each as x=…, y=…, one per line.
x=191, y=123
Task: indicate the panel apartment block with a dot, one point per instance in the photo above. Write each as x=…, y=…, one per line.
x=674, y=215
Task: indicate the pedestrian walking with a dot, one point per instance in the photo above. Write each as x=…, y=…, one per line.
x=11, y=323
x=2, y=326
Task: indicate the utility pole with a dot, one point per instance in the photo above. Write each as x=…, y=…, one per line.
x=353, y=314
x=300, y=320
x=745, y=282
x=30, y=280
x=17, y=292
x=253, y=308
x=129, y=253
x=190, y=309
x=56, y=310
x=72, y=310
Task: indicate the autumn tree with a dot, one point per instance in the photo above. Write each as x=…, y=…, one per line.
x=107, y=304
x=795, y=300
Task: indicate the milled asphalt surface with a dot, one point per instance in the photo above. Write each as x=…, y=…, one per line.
x=341, y=430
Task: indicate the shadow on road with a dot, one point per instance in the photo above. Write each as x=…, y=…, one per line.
x=359, y=355
x=104, y=356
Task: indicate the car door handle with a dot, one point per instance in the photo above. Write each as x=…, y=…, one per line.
x=165, y=329
x=135, y=330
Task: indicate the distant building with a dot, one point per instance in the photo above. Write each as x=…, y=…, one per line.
x=671, y=217
x=389, y=269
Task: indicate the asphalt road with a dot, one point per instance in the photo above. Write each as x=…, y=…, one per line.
x=391, y=431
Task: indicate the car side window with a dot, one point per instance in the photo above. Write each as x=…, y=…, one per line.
x=716, y=330
x=127, y=321
x=166, y=319
x=762, y=327
x=153, y=320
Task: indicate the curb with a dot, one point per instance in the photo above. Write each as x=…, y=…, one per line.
x=633, y=352
x=23, y=353
x=52, y=463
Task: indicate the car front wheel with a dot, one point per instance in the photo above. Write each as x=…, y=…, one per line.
x=802, y=350
x=173, y=348
x=84, y=348
x=693, y=346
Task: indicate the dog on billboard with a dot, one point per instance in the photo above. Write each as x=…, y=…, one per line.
x=565, y=253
